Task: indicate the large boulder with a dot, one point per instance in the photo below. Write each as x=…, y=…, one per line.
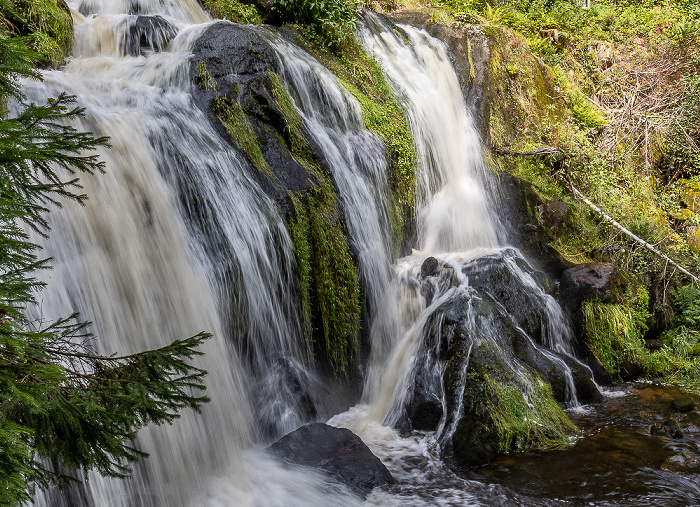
x=483, y=376
x=338, y=452
x=592, y=280
x=234, y=68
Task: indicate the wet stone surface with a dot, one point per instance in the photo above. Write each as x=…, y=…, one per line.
x=633, y=450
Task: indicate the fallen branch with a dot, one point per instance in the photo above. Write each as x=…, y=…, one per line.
x=543, y=151
x=630, y=234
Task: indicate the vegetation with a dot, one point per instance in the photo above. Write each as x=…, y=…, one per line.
x=61, y=406
x=233, y=10
x=326, y=22
x=46, y=24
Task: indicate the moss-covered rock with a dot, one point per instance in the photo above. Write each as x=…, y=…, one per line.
x=235, y=70
x=690, y=194
x=245, y=13
x=47, y=23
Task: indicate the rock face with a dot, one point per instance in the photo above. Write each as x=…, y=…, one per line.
x=336, y=451
x=593, y=280
x=232, y=63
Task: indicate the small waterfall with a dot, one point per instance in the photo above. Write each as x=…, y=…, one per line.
x=494, y=286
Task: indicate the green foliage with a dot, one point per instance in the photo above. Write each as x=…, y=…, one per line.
x=58, y=400
x=327, y=22
x=47, y=24
x=233, y=10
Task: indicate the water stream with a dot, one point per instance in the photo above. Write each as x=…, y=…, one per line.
x=177, y=238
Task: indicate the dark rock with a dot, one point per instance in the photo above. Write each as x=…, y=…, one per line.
x=429, y=267
x=150, y=33
x=338, y=452
x=669, y=428
x=425, y=413
x=283, y=398
x=683, y=404
x=238, y=62
x=554, y=213
x=594, y=280
x=518, y=209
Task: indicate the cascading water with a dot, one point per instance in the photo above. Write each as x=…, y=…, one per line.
x=175, y=239
x=178, y=238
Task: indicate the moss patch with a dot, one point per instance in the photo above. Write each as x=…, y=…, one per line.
x=47, y=23
x=362, y=77
x=240, y=130
x=233, y=10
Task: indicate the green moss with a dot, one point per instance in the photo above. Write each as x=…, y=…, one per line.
x=362, y=77
x=47, y=23
x=299, y=230
x=327, y=274
x=233, y=10
x=241, y=132
x=326, y=270
x=202, y=77
x=523, y=422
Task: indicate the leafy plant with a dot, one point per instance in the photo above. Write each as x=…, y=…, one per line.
x=329, y=22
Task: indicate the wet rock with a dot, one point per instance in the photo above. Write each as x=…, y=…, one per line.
x=283, y=398
x=425, y=413
x=593, y=280
x=670, y=428
x=429, y=267
x=338, y=452
x=232, y=62
x=683, y=404
x=148, y=33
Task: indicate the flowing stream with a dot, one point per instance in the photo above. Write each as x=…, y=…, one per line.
x=177, y=237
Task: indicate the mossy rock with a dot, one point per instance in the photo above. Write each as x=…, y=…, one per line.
x=695, y=351
x=693, y=239
x=690, y=194
x=236, y=73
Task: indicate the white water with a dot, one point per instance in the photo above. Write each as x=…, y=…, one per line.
x=176, y=238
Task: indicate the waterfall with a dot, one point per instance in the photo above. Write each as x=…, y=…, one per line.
x=177, y=237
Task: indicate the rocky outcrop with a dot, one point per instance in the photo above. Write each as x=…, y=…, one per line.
x=338, y=452
x=232, y=66
x=594, y=280
x=482, y=373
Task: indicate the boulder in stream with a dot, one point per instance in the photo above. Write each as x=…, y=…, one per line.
x=338, y=452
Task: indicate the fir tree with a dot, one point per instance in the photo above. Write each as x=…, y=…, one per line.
x=62, y=407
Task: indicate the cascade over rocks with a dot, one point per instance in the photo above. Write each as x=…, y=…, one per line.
x=482, y=349
x=148, y=33
x=338, y=452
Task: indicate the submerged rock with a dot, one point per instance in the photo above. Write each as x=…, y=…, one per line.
x=336, y=451
x=683, y=404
